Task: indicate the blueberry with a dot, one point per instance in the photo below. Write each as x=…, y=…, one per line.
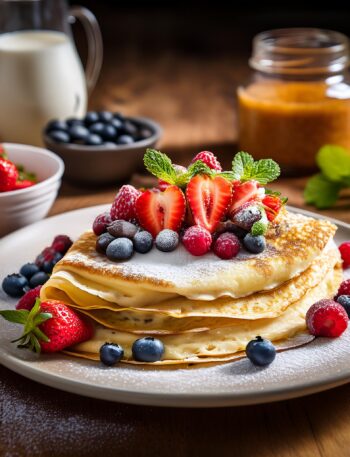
x=105, y=116
x=109, y=132
x=119, y=116
x=129, y=128
x=109, y=144
x=56, y=125
x=73, y=121
x=111, y=353
x=29, y=269
x=97, y=128
x=38, y=279
x=260, y=351
x=344, y=300
x=125, y=139
x=147, y=349
x=143, y=242
x=144, y=133
x=122, y=229
x=78, y=132
x=254, y=244
x=59, y=136
x=48, y=265
x=91, y=117
x=103, y=241
x=57, y=257
x=117, y=123
x=246, y=216
x=167, y=240
x=93, y=140
x=120, y=249
x=15, y=285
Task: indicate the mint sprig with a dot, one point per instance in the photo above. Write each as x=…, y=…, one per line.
x=323, y=189
x=245, y=168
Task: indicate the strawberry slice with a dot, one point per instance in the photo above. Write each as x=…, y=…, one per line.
x=242, y=193
x=161, y=210
x=272, y=205
x=208, y=199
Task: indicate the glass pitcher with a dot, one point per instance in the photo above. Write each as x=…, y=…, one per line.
x=41, y=75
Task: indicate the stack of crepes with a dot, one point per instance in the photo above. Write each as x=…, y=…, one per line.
x=202, y=308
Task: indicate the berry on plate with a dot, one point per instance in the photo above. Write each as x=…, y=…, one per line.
x=244, y=192
x=101, y=222
x=147, y=349
x=111, y=353
x=327, y=318
x=143, y=242
x=209, y=159
x=8, y=175
x=167, y=240
x=161, y=210
x=15, y=285
x=47, y=255
x=124, y=205
x=208, y=198
x=103, y=241
x=197, y=240
x=226, y=246
x=29, y=298
x=246, y=215
x=61, y=243
x=29, y=269
x=344, y=300
x=254, y=244
x=120, y=249
x=50, y=326
x=344, y=249
x=272, y=205
x=344, y=288
x=38, y=279
x=120, y=228
x=260, y=351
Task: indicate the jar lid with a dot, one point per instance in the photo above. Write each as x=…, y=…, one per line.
x=300, y=51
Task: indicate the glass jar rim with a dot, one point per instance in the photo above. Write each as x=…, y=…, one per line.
x=300, y=51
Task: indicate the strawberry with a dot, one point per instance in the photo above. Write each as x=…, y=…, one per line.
x=8, y=175
x=162, y=185
x=209, y=159
x=23, y=184
x=124, y=205
x=50, y=326
x=272, y=205
x=344, y=249
x=161, y=210
x=243, y=192
x=208, y=199
x=29, y=298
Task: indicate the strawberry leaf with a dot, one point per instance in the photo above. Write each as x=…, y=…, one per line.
x=16, y=317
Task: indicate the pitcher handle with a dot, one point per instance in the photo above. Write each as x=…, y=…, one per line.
x=95, y=45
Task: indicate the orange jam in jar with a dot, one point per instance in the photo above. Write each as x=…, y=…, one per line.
x=299, y=96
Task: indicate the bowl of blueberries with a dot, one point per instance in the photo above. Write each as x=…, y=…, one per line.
x=102, y=147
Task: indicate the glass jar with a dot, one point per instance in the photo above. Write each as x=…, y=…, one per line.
x=298, y=98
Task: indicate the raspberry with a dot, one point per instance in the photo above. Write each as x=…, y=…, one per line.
x=101, y=223
x=28, y=299
x=209, y=159
x=8, y=175
x=124, y=205
x=226, y=246
x=46, y=255
x=327, y=318
x=61, y=243
x=344, y=249
x=197, y=240
x=344, y=288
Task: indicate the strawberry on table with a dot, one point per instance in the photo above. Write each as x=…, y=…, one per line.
x=209, y=159
x=8, y=175
x=50, y=326
x=124, y=205
x=208, y=198
x=161, y=210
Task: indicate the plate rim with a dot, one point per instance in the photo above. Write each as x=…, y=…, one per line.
x=167, y=399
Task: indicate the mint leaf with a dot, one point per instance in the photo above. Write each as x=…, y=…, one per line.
x=259, y=228
x=275, y=193
x=334, y=162
x=322, y=192
x=159, y=165
x=229, y=175
x=245, y=169
x=241, y=164
x=199, y=167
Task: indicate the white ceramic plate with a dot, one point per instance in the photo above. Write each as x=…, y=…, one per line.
x=322, y=364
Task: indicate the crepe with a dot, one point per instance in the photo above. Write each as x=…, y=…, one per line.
x=144, y=280
x=224, y=343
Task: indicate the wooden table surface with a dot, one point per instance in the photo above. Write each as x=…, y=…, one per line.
x=194, y=101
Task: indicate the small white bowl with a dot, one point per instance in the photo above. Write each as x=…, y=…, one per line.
x=22, y=207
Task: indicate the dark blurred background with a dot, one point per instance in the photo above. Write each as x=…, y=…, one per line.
x=181, y=62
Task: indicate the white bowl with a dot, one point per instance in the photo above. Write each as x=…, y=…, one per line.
x=19, y=208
